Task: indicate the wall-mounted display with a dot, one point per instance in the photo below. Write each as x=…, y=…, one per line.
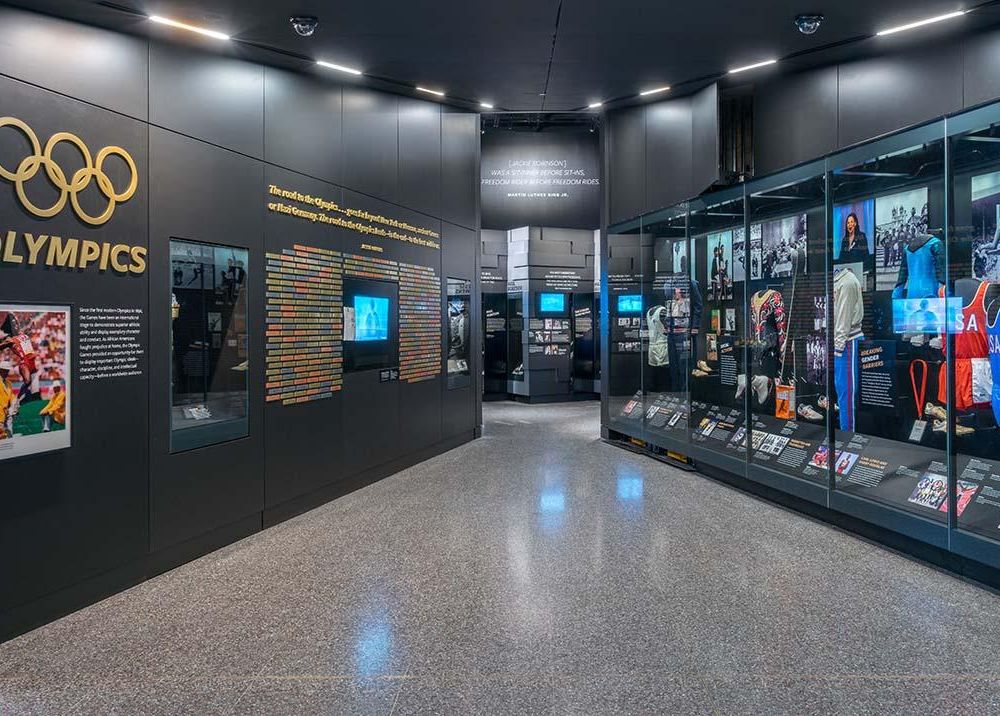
x=459, y=331
x=35, y=377
x=208, y=298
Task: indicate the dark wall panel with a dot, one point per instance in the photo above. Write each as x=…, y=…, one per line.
x=626, y=175
x=212, y=98
x=460, y=168
x=668, y=149
x=888, y=93
x=199, y=490
x=795, y=119
x=705, y=138
x=982, y=57
x=302, y=124
x=420, y=155
x=74, y=513
x=371, y=143
x=75, y=60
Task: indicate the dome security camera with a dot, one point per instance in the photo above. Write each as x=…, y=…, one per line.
x=809, y=24
x=304, y=25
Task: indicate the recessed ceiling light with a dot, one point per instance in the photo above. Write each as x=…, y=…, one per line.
x=754, y=66
x=189, y=28
x=486, y=105
x=655, y=90
x=339, y=68
x=594, y=105
x=430, y=91
x=921, y=23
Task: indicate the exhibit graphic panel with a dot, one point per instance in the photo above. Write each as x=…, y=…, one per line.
x=35, y=401
x=304, y=352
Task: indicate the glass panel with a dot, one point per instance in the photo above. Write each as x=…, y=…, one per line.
x=666, y=317
x=625, y=318
x=495, y=342
x=974, y=279
x=209, y=359
x=459, y=332
x=889, y=261
x=515, y=331
x=584, y=349
x=718, y=274
x=786, y=299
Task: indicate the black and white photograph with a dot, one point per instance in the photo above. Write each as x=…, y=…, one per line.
x=781, y=250
x=899, y=218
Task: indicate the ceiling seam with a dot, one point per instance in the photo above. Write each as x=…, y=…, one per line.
x=552, y=54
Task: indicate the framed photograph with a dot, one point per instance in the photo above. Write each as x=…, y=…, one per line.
x=35, y=374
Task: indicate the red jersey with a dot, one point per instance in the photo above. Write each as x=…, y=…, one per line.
x=971, y=356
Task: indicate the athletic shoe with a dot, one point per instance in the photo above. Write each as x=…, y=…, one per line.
x=823, y=402
x=809, y=413
x=699, y=373
x=941, y=426
x=704, y=367
x=936, y=412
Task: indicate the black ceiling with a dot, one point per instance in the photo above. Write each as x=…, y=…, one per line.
x=510, y=52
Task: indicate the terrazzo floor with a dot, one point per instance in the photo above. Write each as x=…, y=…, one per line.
x=537, y=570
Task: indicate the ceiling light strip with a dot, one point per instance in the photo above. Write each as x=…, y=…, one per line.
x=189, y=28
x=754, y=66
x=437, y=93
x=339, y=68
x=655, y=90
x=921, y=23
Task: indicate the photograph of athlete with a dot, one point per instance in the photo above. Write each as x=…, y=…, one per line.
x=14, y=340
x=34, y=379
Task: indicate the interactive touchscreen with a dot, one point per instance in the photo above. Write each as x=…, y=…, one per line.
x=630, y=303
x=552, y=303
x=371, y=318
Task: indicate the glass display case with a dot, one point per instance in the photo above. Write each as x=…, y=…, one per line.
x=973, y=250
x=459, y=331
x=785, y=383
x=890, y=314
x=717, y=280
x=666, y=311
x=209, y=344
x=625, y=328
x=831, y=331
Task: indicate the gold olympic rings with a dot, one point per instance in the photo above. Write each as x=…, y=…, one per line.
x=69, y=190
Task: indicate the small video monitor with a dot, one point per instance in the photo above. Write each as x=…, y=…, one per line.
x=371, y=317
x=552, y=303
x=630, y=303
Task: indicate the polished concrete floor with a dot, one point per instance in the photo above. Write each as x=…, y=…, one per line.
x=537, y=570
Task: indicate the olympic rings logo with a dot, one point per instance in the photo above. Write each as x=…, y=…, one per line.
x=69, y=190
